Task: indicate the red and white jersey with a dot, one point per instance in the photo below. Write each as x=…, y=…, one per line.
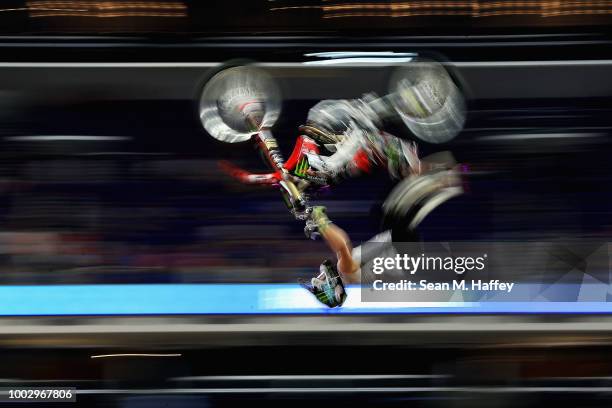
x=360, y=151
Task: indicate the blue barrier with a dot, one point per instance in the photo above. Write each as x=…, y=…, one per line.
x=148, y=299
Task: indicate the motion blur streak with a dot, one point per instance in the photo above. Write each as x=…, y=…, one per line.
x=107, y=5
x=104, y=15
x=338, y=61
x=48, y=138
x=304, y=377
x=135, y=270
x=540, y=136
x=136, y=355
x=106, y=9
x=358, y=54
x=457, y=8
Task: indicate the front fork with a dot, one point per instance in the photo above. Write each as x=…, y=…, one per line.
x=294, y=199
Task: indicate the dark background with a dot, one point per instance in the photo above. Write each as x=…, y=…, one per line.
x=154, y=207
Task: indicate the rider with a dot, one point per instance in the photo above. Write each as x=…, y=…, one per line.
x=351, y=131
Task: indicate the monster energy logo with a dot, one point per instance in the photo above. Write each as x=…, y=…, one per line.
x=323, y=297
x=302, y=167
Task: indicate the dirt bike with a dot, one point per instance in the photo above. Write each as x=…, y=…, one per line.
x=242, y=103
